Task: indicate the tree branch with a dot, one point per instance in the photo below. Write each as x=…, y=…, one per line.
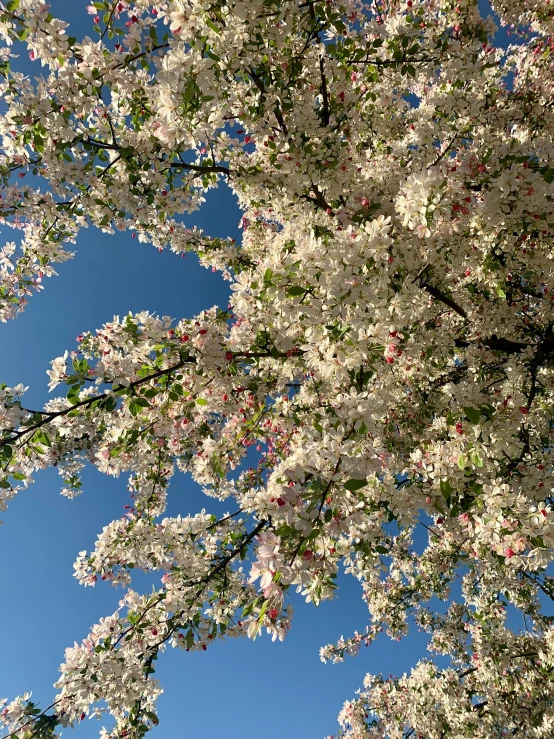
x=443, y=298
x=202, y=169
x=88, y=401
x=324, y=94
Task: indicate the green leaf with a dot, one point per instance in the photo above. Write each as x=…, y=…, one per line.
x=108, y=404
x=152, y=717
x=211, y=25
x=472, y=414
x=190, y=89
x=328, y=515
x=250, y=607
x=201, y=401
x=295, y=290
x=462, y=461
x=354, y=485
x=476, y=459
x=446, y=489
x=135, y=407
x=263, y=610
x=381, y=550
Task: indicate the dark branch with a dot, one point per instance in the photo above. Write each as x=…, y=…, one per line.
x=324, y=94
x=443, y=298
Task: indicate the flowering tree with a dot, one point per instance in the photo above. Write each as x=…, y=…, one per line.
x=388, y=351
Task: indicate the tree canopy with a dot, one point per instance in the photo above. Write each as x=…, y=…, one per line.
x=386, y=363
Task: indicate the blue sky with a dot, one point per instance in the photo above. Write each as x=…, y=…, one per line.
x=235, y=690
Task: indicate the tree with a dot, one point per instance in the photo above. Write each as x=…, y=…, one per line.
x=388, y=350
